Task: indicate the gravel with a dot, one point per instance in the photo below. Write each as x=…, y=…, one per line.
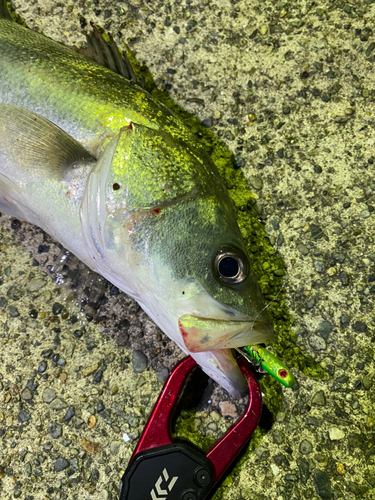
x=305, y=447
x=139, y=361
x=61, y=464
x=322, y=484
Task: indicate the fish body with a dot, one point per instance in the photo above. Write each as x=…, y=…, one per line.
x=119, y=180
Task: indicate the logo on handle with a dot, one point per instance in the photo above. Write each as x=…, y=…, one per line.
x=161, y=494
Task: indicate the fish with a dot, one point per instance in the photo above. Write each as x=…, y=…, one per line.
x=119, y=180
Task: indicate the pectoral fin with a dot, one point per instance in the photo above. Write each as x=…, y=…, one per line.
x=32, y=143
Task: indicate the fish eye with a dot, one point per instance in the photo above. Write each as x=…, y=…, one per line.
x=230, y=265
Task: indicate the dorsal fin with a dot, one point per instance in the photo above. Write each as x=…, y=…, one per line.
x=4, y=11
x=108, y=54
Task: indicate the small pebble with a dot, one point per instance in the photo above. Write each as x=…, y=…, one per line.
x=26, y=394
x=23, y=416
x=134, y=435
x=162, y=374
x=114, y=389
x=324, y=329
x=335, y=434
x=43, y=249
x=58, y=404
x=100, y=406
x=48, y=395
x=319, y=399
x=36, y=284
x=61, y=464
x=57, y=308
x=33, y=313
x=302, y=249
x=367, y=381
x=113, y=290
x=92, y=421
x=212, y=426
x=317, y=343
x=197, y=423
x=98, y=377
x=304, y=469
x=139, y=361
x=344, y=321
x=331, y=271
x=364, y=214
x=305, y=447
x=90, y=447
x=13, y=312
x=42, y=367
x=90, y=369
x=256, y=182
x=124, y=324
x=54, y=430
x=319, y=267
x=215, y=416
x=69, y=414
x=322, y=484
x=227, y=409
x=280, y=239
x=95, y=475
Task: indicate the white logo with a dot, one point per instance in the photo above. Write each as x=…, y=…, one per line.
x=160, y=493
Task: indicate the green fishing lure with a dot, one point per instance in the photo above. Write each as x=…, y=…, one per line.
x=265, y=358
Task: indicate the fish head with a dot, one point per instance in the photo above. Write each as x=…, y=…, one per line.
x=160, y=225
x=215, y=294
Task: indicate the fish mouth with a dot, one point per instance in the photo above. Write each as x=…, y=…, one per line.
x=207, y=334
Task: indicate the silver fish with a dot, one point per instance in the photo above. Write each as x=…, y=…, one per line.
x=119, y=180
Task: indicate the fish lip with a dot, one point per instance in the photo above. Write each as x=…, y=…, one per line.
x=201, y=334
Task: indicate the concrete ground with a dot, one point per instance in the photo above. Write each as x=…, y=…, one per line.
x=289, y=89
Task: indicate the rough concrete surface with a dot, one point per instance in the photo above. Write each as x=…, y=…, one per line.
x=289, y=88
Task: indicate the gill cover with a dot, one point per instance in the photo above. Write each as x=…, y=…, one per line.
x=140, y=173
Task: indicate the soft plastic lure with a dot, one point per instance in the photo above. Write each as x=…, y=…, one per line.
x=265, y=358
